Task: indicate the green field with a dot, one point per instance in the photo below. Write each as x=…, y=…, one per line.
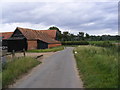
x=54, y=49
x=98, y=66
x=13, y=69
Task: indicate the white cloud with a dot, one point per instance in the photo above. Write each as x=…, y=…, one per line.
x=92, y=17
x=88, y=24
x=60, y=0
x=105, y=32
x=11, y=27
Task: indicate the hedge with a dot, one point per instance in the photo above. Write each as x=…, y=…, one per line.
x=75, y=43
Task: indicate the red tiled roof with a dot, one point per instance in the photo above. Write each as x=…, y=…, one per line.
x=37, y=34
x=51, y=33
x=6, y=35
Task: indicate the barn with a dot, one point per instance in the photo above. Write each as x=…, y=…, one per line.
x=4, y=36
x=27, y=39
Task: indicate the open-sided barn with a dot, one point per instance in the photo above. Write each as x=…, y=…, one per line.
x=23, y=38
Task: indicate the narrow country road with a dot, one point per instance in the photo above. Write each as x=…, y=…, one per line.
x=57, y=71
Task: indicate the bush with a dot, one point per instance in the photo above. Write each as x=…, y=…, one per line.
x=75, y=43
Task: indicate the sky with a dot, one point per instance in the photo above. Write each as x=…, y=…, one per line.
x=92, y=17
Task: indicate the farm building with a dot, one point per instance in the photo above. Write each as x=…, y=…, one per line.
x=4, y=36
x=23, y=38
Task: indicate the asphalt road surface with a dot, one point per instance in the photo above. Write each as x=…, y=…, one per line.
x=57, y=71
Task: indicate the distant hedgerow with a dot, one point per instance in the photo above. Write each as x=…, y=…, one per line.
x=75, y=43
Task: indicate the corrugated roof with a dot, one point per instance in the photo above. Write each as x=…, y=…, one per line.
x=6, y=35
x=37, y=34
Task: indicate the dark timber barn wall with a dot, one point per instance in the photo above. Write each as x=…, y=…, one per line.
x=17, y=45
x=17, y=42
x=42, y=45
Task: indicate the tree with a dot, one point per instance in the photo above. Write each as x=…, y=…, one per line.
x=58, y=33
x=66, y=33
x=66, y=36
x=87, y=35
x=54, y=28
x=72, y=37
x=81, y=36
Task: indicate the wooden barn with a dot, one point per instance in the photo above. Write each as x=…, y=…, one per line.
x=23, y=38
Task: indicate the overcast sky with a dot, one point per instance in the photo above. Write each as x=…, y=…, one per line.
x=95, y=18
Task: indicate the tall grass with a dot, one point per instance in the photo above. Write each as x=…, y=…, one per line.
x=53, y=49
x=98, y=66
x=101, y=43
x=93, y=42
x=0, y=80
x=15, y=68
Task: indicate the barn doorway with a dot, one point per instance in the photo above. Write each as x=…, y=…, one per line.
x=42, y=45
x=17, y=45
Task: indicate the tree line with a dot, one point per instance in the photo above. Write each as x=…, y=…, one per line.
x=82, y=36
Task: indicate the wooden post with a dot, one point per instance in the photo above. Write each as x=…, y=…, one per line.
x=24, y=52
x=13, y=53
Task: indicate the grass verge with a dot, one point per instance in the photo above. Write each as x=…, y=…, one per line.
x=98, y=66
x=16, y=68
x=70, y=45
x=54, y=49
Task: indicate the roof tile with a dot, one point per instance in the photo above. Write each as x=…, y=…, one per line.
x=38, y=35
x=6, y=35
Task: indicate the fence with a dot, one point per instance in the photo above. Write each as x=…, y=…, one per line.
x=5, y=54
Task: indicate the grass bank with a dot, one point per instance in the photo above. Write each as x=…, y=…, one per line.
x=14, y=69
x=98, y=66
x=54, y=49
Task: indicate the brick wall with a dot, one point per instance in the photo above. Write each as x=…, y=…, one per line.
x=53, y=45
x=32, y=44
